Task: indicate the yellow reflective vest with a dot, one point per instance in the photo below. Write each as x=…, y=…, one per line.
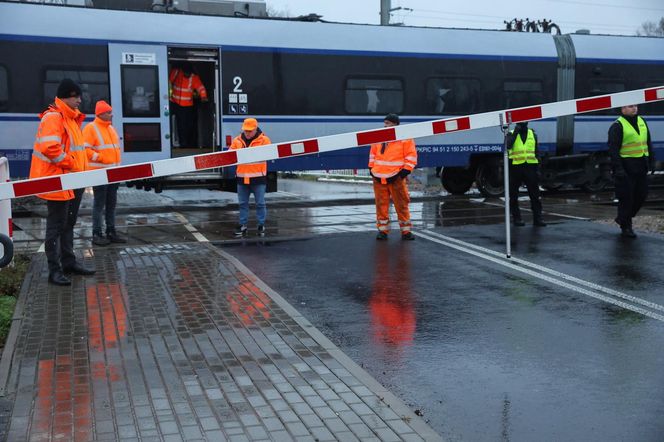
x=634, y=145
x=523, y=152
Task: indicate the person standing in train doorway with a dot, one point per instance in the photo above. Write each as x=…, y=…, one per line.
x=630, y=148
x=102, y=145
x=251, y=178
x=521, y=144
x=60, y=148
x=184, y=85
x=389, y=165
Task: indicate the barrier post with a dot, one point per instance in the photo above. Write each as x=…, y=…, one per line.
x=6, y=227
x=505, y=127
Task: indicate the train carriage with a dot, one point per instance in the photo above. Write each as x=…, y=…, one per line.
x=303, y=79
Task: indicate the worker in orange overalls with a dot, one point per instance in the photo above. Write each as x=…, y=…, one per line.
x=59, y=149
x=184, y=86
x=251, y=178
x=102, y=145
x=389, y=165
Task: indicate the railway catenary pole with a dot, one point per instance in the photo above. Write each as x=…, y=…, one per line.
x=385, y=6
x=505, y=127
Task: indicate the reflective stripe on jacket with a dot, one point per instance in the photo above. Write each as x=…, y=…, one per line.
x=634, y=145
x=524, y=152
x=253, y=170
x=182, y=88
x=59, y=147
x=102, y=144
x=387, y=159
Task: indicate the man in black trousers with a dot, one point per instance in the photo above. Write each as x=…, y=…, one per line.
x=630, y=148
x=522, y=146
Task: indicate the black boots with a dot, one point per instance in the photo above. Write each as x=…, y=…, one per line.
x=78, y=269
x=627, y=232
x=57, y=278
x=518, y=222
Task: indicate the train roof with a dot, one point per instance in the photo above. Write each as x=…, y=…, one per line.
x=618, y=48
x=25, y=21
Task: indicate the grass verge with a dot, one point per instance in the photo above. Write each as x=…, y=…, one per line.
x=11, y=278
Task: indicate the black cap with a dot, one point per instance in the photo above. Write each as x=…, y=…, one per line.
x=394, y=118
x=68, y=88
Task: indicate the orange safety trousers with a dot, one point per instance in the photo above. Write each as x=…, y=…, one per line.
x=398, y=192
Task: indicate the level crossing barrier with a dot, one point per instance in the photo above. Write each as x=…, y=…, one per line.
x=6, y=226
x=500, y=119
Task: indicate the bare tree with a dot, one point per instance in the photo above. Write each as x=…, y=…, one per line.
x=274, y=12
x=652, y=29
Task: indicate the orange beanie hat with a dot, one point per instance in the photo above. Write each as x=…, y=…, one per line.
x=102, y=107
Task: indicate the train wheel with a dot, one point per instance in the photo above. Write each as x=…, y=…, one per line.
x=456, y=180
x=489, y=178
x=553, y=187
x=597, y=181
x=597, y=185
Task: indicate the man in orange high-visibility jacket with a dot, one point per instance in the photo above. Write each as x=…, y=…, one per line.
x=389, y=165
x=184, y=85
x=251, y=178
x=59, y=148
x=102, y=145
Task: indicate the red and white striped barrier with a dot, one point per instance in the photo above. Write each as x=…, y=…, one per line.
x=17, y=189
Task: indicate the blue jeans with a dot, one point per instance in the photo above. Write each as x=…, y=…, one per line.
x=105, y=200
x=243, y=191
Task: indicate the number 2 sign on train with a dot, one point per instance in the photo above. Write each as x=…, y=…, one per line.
x=310, y=79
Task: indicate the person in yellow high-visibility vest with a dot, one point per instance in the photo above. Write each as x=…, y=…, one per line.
x=522, y=146
x=630, y=148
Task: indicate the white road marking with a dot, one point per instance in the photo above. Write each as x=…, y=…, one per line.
x=187, y=225
x=544, y=273
x=565, y=276
x=546, y=212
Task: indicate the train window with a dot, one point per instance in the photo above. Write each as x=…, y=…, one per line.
x=140, y=91
x=519, y=93
x=374, y=95
x=94, y=85
x=142, y=137
x=453, y=96
x=4, y=88
x=603, y=87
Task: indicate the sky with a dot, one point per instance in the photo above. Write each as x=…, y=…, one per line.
x=621, y=17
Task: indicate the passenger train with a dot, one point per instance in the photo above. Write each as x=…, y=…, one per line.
x=309, y=79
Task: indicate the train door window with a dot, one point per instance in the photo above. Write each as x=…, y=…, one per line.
x=655, y=108
x=140, y=137
x=452, y=96
x=374, y=95
x=4, y=88
x=140, y=91
x=603, y=87
x=94, y=85
x=519, y=93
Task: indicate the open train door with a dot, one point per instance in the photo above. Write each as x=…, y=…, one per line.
x=139, y=96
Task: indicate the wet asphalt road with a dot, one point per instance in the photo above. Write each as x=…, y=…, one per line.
x=486, y=353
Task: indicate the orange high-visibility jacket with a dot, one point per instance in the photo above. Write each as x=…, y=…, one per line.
x=387, y=159
x=102, y=144
x=182, y=88
x=59, y=147
x=253, y=170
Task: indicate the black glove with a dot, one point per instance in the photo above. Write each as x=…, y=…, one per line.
x=619, y=173
x=403, y=173
x=392, y=178
x=652, y=166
